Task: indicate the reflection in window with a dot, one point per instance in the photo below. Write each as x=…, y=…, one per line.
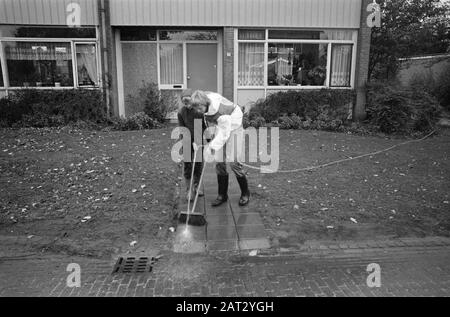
x=137, y=34
x=297, y=64
x=295, y=34
x=251, y=64
x=39, y=64
x=188, y=35
x=252, y=34
x=341, y=65
x=171, y=64
x=86, y=65
x=341, y=35
x=46, y=32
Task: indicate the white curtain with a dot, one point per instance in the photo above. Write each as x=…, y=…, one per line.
x=86, y=58
x=171, y=64
x=251, y=64
x=341, y=65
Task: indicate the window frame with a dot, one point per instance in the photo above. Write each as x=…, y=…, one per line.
x=71, y=41
x=266, y=42
x=351, y=65
x=2, y=75
x=75, y=64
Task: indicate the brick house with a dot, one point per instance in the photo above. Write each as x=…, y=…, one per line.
x=244, y=49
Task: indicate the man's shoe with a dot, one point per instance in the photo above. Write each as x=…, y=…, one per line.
x=244, y=200
x=222, y=181
x=219, y=201
x=245, y=193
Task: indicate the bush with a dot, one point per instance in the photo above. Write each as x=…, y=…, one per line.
x=155, y=103
x=32, y=107
x=324, y=109
x=307, y=105
x=138, y=121
x=40, y=120
x=394, y=109
x=442, y=90
x=438, y=87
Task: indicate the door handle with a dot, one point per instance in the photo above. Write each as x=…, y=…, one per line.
x=188, y=77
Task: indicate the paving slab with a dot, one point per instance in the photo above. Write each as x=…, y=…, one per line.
x=248, y=219
x=251, y=232
x=224, y=245
x=190, y=239
x=220, y=219
x=219, y=233
x=254, y=244
x=230, y=227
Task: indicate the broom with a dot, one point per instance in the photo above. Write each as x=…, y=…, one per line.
x=190, y=217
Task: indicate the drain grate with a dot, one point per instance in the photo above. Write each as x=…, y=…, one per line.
x=134, y=265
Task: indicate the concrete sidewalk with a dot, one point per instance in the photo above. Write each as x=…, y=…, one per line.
x=229, y=227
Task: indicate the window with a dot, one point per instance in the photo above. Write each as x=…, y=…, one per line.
x=341, y=65
x=295, y=34
x=294, y=59
x=297, y=64
x=137, y=34
x=39, y=64
x=46, y=32
x=188, y=35
x=252, y=34
x=251, y=64
x=86, y=65
x=171, y=64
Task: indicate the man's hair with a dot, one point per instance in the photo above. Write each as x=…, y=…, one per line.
x=200, y=98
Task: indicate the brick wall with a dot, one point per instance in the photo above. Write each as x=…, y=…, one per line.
x=362, y=66
x=228, y=63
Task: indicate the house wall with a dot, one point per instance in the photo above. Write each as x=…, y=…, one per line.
x=238, y=13
x=131, y=63
x=139, y=60
x=46, y=12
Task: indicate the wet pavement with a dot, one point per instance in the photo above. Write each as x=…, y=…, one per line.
x=229, y=227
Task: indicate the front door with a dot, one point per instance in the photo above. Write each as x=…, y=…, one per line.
x=202, y=66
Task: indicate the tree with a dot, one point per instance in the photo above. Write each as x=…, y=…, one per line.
x=409, y=28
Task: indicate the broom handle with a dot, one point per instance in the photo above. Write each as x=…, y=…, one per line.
x=199, y=184
x=192, y=177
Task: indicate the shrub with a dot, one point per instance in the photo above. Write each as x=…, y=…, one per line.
x=52, y=107
x=306, y=104
x=40, y=120
x=155, y=103
x=138, y=121
x=253, y=120
x=316, y=109
x=394, y=109
x=442, y=90
x=438, y=87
